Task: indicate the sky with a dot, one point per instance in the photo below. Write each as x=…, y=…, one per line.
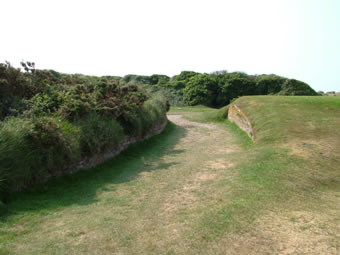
x=293, y=38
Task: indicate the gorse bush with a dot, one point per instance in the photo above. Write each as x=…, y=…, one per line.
x=139, y=123
x=98, y=134
x=18, y=157
x=50, y=121
x=31, y=149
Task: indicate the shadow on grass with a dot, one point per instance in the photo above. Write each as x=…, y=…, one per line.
x=81, y=188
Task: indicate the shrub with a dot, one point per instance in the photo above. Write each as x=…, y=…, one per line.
x=173, y=96
x=200, y=90
x=98, y=134
x=269, y=84
x=46, y=103
x=50, y=120
x=33, y=148
x=159, y=79
x=292, y=87
x=57, y=149
x=184, y=76
x=138, y=123
x=18, y=157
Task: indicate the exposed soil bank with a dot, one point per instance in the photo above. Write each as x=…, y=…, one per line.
x=236, y=115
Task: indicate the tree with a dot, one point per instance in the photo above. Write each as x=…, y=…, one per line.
x=234, y=87
x=269, y=84
x=201, y=89
x=292, y=87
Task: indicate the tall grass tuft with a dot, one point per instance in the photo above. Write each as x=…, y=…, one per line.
x=33, y=148
x=98, y=134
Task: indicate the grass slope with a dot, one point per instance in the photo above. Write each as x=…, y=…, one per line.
x=198, y=188
x=287, y=197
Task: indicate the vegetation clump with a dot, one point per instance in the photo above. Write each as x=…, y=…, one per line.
x=50, y=121
x=218, y=88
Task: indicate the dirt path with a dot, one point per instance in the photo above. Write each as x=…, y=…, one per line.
x=204, y=161
x=166, y=200
x=157, y=210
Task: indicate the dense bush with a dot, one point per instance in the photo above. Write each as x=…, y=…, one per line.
x=219, y=88
x=138, y=123
x=294, y=87
x=234, y=87
x=34, y=148
x=50, y=121
x=200, y=89
x=155, y=79
x=269, y=84
x=98, y=134
x=18, y=157
x=173, y=96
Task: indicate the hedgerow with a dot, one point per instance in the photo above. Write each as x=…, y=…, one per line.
x=50, y=121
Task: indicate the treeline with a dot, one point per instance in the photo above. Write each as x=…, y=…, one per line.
x=219, y=88
x=50, y=121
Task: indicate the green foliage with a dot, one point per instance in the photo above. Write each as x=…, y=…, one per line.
x=184, y=76
x=98, y=134
x=140, y=122
x=33, y=148
x=159, y=79
x=47, y=102
x=173, y=96
x=49, y=121
x=234, y=87
x=191, y=88
x=294, y=87
x=269, y=84
x=155, y=79
x=200, y=90
x=18, y=158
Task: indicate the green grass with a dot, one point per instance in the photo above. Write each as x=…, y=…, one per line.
x=190, y=109
x=241, y=137
x=88, y=181
x=81, y=189
x=202, y=113
x=295, y=160
x=281, y=119
x=198, y=189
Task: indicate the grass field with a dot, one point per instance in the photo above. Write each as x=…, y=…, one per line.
x=200, y=187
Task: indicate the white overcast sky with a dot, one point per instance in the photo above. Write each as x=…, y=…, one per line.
x=293, y=38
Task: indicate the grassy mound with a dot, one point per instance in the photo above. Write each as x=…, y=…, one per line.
x=283, y=120
x=297, y=146
x=292, y=167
